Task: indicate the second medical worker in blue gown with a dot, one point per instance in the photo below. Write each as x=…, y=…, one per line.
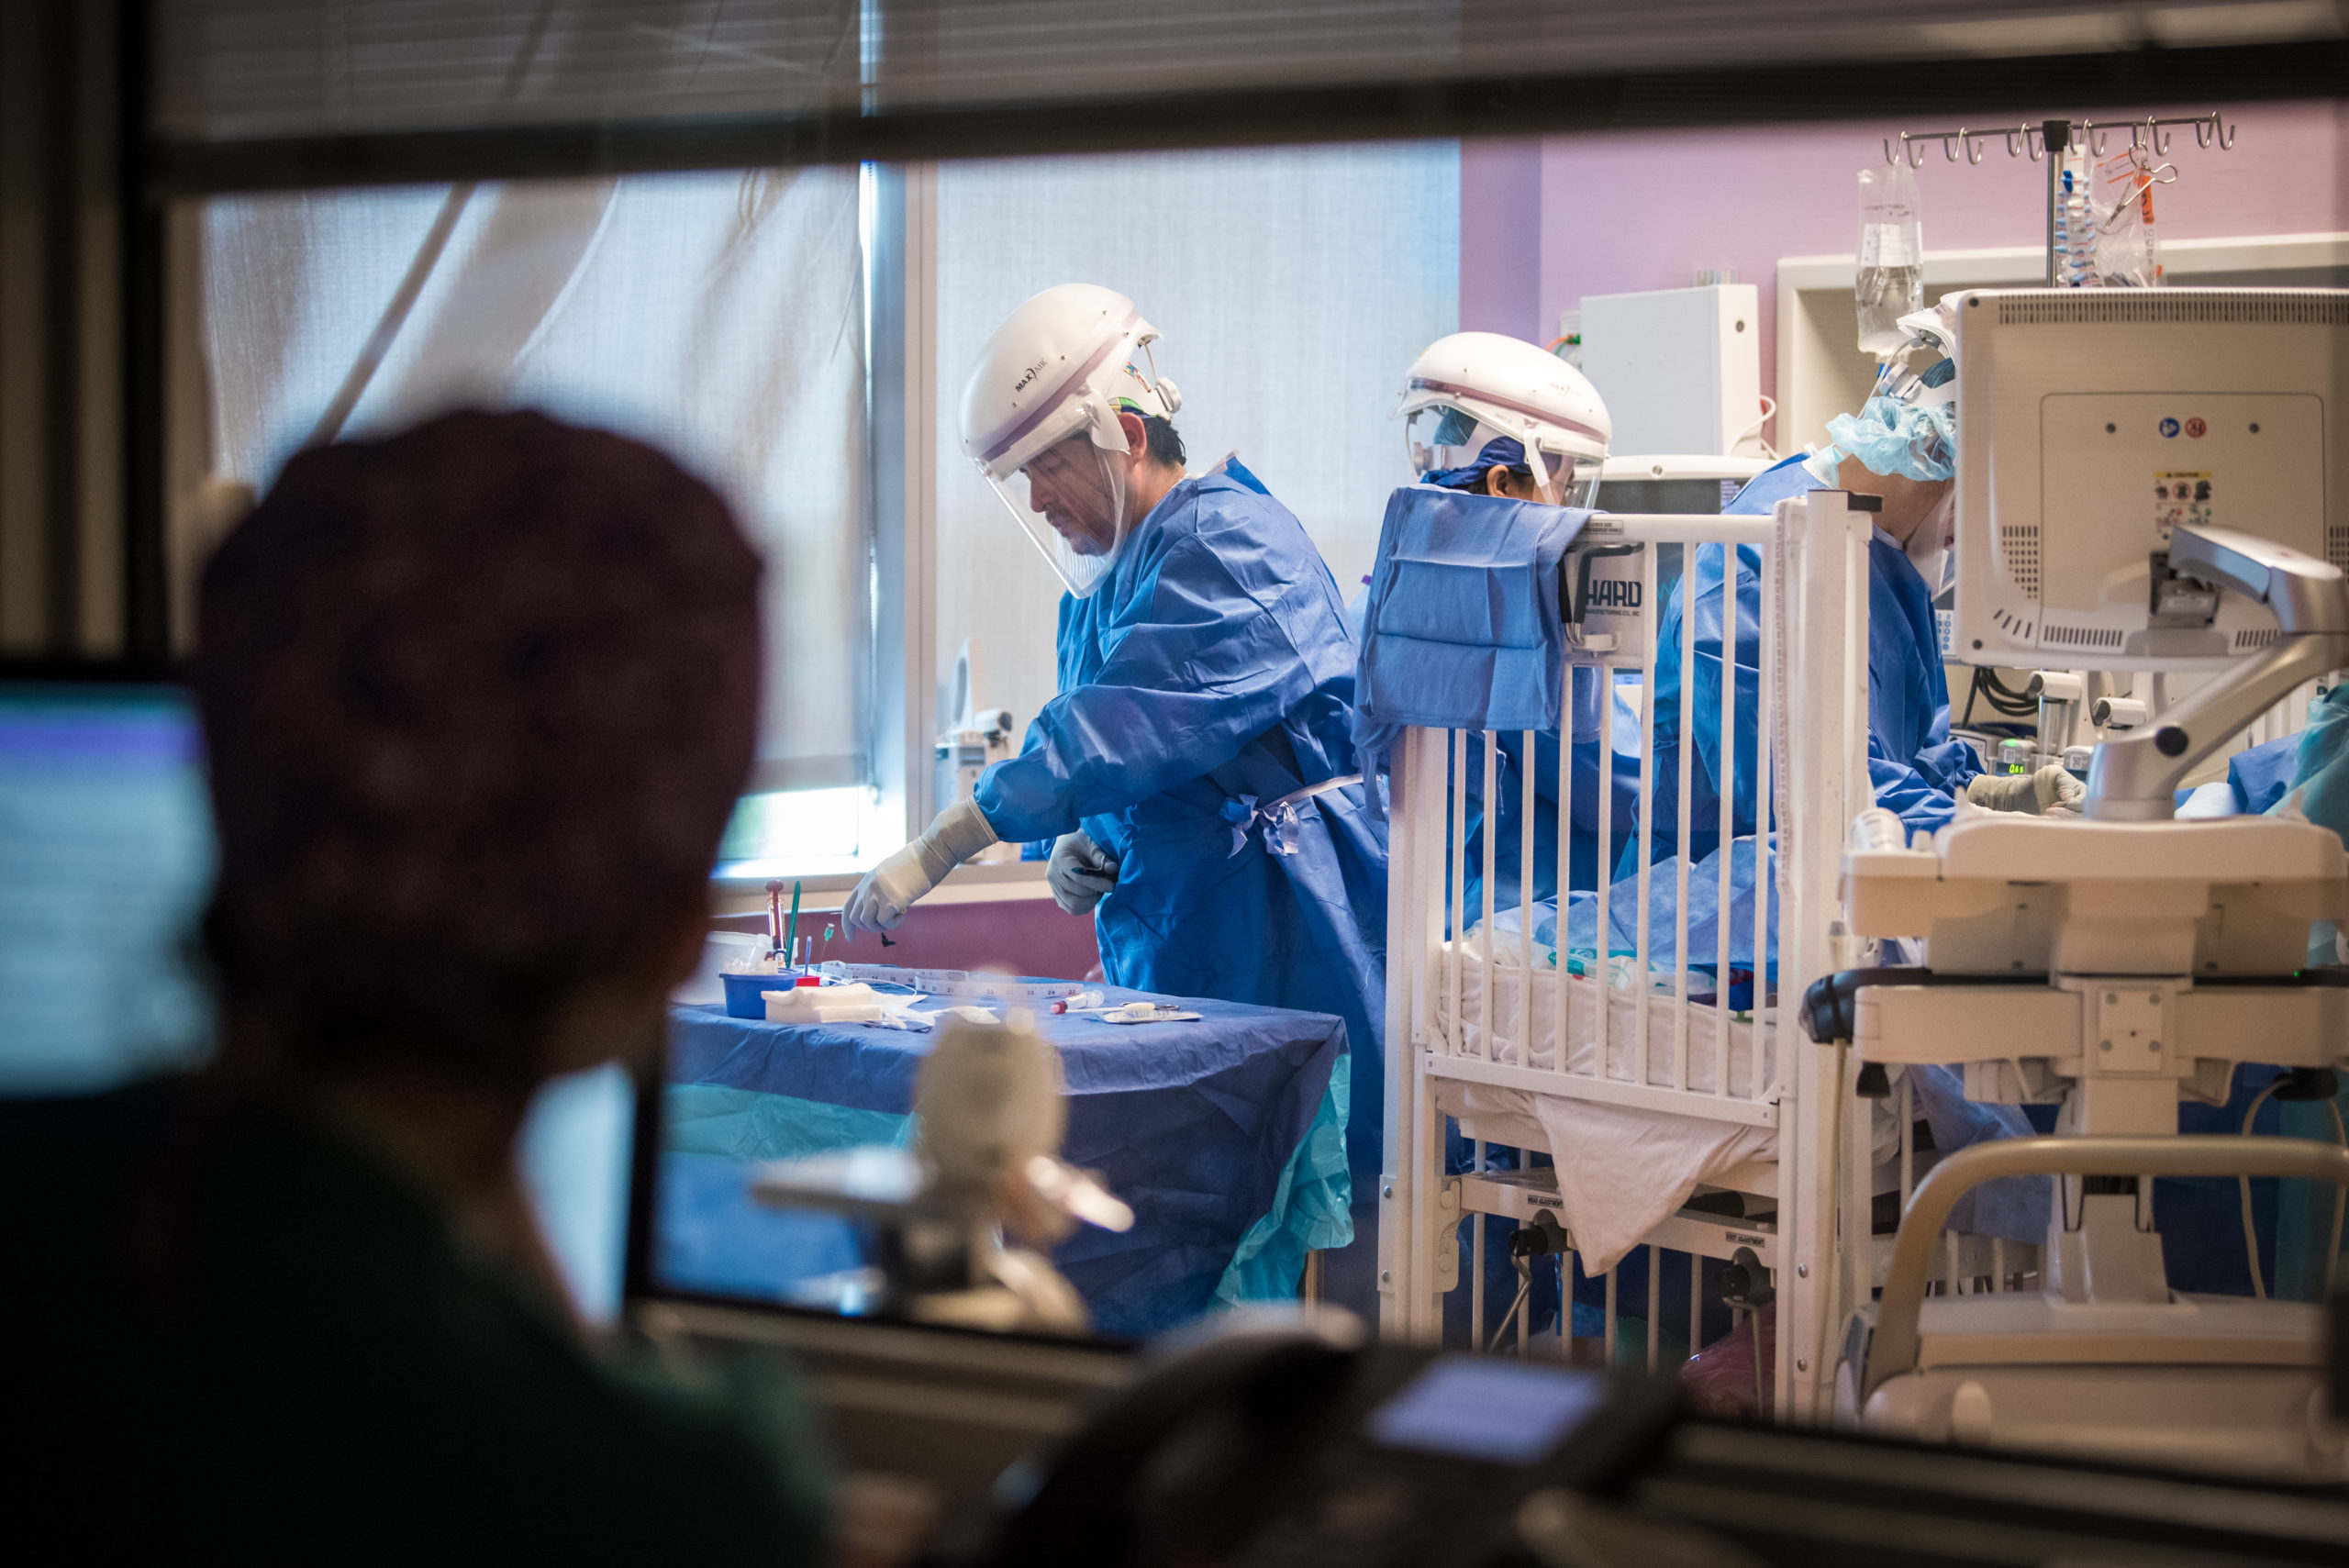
x=1196, y=771
x=1900, y=447
x=1481, y=411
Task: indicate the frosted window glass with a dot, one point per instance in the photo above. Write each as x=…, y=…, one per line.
x=720, y=317
x=1293, y=285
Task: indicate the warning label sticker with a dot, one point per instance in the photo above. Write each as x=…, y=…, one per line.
x=2181, y=498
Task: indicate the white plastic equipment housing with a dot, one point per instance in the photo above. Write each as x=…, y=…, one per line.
x=2005, y=894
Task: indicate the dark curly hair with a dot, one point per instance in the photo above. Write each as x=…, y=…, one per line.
x=478, y=699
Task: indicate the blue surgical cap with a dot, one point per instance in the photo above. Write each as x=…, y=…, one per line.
x=1918, y=439
x=1504, y=451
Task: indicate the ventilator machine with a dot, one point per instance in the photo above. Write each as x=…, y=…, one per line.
x=2149, y=480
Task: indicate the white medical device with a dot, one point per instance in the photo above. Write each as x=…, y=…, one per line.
x=967, y=1215
x=1682, y=483
x=2094, y=422
x=1681, y=368
x=976, y=740
x=2147, y=478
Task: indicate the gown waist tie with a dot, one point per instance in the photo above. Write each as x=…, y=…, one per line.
x=1279, y=819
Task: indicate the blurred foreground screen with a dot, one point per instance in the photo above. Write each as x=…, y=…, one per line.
x=106, y=858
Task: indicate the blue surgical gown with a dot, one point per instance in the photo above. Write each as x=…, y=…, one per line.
x=1210, y=676
x=1584, y=700
x=1913, y=766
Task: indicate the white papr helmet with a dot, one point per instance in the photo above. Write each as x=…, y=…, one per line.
x=1932, y=331
x=1040, y=417
x=1473, y=387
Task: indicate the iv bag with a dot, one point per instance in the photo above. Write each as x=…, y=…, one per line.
x=2127, y=255
x=1890, y=282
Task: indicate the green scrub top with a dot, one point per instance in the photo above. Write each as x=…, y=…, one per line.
x=231, y=1327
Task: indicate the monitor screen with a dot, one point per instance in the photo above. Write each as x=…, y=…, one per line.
x=106, y=859
x=573, y=1156
x=1500, y=1411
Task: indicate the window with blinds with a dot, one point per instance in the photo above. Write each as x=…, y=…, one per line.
x=1293, y=287
x=231, y=70
x=719, y=316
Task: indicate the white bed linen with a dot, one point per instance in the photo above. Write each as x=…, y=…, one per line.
x=1621, y=1170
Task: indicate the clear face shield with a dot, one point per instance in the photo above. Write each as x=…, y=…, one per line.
x=1436, y=439
x=1449, y=446
x=1070, y=498
x=1568, y=481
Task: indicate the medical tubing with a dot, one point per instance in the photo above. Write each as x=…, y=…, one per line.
x=1524, y=1286
x=2340, y=1198
x=2243, y=1185
x=1769, y=409
x=2251, y=1235
x=2004, y=699
x=2076, y=222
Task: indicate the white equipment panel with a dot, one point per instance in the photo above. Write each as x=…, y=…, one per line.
x=1680, y=369
x=2116, y=415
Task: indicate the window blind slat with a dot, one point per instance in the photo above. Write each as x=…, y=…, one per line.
x=257, y=69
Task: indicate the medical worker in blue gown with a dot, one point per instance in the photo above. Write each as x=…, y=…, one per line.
x=1196, y=770
x=1480, y=411
x=1902, y=448
x=1490, y=420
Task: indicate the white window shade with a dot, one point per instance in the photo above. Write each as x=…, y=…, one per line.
x=1293, y=288
x=720, y=317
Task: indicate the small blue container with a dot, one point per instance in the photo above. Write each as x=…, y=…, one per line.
x=743, y=992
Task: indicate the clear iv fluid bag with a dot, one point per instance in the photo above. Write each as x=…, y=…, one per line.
x=1890, y=282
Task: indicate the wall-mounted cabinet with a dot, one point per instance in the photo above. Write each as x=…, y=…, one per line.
x=1822, y=372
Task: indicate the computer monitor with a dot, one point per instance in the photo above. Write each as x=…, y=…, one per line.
x=106, y=859
x=2092, y=421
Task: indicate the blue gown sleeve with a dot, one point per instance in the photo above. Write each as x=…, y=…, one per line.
x=1199, y=670
x=1908, y=794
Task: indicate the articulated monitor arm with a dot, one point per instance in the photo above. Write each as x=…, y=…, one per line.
x=2135, y=779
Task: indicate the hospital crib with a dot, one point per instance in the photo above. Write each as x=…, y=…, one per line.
x=1676, y=1120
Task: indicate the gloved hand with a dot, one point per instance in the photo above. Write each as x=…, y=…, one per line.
x=2050, y=791
x=1079, y=873
x=893, y=886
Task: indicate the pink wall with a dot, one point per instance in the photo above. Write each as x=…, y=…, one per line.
x=1645, y=210
x=1500, y=239
x=1025, y=936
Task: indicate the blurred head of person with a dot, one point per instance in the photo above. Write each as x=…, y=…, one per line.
x=478, y=699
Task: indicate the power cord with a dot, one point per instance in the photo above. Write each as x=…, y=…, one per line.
x=2003, y=699
x=2318, y=1084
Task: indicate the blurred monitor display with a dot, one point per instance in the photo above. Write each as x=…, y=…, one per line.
x=574, y=1154
x=106, y=860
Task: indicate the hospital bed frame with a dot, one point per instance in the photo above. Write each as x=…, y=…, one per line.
x=1814, y=717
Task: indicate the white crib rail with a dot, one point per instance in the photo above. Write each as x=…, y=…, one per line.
x=1811, y=726
x=1659, y=1072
